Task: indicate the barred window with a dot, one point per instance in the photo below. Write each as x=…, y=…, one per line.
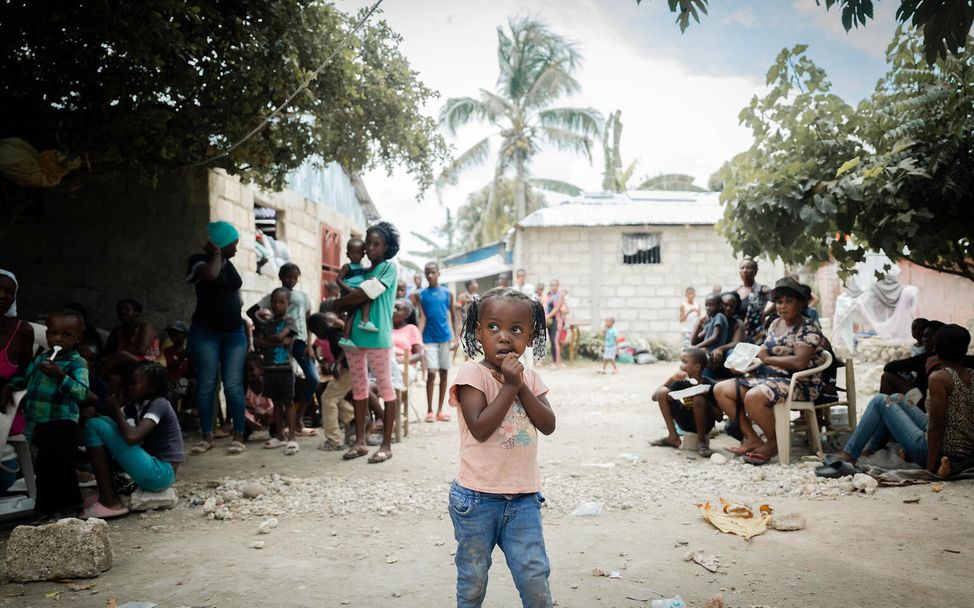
x=641, y=248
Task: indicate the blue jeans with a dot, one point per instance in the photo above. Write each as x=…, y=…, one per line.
x=213, y=352
x=901, y=420
x=299, y=348
x=147, y=471
x=481, y=521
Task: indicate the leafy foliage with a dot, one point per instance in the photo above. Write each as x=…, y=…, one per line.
x=614, y=177
x=536, y=69
x=945, y=23
x=479, y=223
x=823, y=180
x=156, y=86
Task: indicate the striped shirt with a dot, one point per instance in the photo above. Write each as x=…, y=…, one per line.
x=47, y=399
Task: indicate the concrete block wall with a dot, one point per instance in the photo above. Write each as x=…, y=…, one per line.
x=643, y=298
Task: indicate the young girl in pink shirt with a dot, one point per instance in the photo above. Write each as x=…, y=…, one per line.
x=496, y=497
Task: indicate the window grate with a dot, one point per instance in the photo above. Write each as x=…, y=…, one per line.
x=641, y=248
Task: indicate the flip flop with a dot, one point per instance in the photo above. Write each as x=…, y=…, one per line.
x=235, y=448
x=738, y=450
x=430, y=417
x=663, y=443
x=757, y=459
x=355, y=452
x=291, y=448
x=330, y=446
x=306, y=432
x=273, y=443
x=102, y=512
x=380, y=456
x=442, y=417
x=201, y=447
x=836, y=469
x=704, y=450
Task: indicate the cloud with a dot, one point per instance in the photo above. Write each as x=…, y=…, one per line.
x=743, y=17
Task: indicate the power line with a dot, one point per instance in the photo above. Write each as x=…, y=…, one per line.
x=303, y=86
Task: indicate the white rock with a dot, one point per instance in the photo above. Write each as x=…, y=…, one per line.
x=140, y=500
x=256, y=544
x=787, y=522
x=210, y=505
x=864, y=482
x=252, y=490
x=716, y=458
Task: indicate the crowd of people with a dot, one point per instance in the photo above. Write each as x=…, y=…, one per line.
x=783, y=322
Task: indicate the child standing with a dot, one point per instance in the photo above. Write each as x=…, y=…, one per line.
x=178, y=365
x=299, y=311
x=260, y=409
x=496, y=499
x=350, y=276
x=57, y=384
x=273, y=339
x=438, y=322
x=689, y=313
x=609, y=346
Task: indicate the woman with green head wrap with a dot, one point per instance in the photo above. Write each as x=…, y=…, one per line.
x=217, y=341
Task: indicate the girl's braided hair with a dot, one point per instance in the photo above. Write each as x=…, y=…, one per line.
x=157, y=379
x=468, y=333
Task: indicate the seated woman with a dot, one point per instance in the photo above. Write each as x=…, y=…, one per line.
x=793, y=343
x=150, y=451
x=134, y=340
x=901, y=375
x=942, y=439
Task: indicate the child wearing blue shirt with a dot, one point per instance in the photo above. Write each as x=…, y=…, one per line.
x=609, y=347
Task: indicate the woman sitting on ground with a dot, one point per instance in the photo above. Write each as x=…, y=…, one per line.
x=942, y=439
x=150, y=451
x=793, y=343
x=134, y=340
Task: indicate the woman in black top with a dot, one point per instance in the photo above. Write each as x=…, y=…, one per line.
x=217, y=340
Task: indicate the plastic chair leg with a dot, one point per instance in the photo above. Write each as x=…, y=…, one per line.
x=814, y=437
x=782, y=432
x=26, y=465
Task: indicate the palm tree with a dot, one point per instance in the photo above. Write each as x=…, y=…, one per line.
x=536, y=67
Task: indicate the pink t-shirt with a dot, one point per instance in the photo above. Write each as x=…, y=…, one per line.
x=507, y=463
x=404, y=337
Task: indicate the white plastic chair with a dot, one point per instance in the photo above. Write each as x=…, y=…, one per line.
x=782, y=415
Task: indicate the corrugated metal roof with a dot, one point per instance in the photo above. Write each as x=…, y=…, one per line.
x=634, y=208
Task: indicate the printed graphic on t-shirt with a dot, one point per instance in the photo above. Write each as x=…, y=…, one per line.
x=517, y=431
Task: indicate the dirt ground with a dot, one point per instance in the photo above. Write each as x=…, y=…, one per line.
x=379, y=535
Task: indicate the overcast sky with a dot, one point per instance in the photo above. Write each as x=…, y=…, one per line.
x=680, y=94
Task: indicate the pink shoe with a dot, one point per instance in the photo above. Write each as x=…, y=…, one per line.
x=90, y=500
x=102, y=512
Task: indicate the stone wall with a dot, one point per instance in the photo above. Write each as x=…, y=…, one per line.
x=121, y=238
x=643, y=298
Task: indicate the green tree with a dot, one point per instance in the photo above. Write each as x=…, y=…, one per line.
x=945, y=23
x=897, y=174
x=156, y=86
x=479, y=222
x=536, y=69
x=443, y=245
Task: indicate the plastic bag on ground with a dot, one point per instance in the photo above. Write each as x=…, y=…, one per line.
x=737, y=519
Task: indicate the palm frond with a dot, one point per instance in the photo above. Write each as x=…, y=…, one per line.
x=583, y=121
x=553, y=81
x=495, y=106
x=555, y=185
x=475, y=155
x=458, y=111
x=564, y=139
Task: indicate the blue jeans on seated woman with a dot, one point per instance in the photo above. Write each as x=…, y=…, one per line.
x=147, y=471
x=482, y=520
x=215, y=353
x=899, y=419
